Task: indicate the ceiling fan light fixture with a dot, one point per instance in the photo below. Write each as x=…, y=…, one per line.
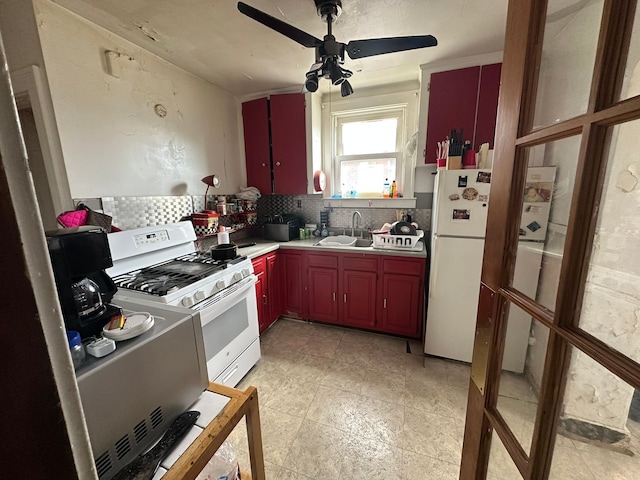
x=335, y=74
x=345, y=88
x=311, y=84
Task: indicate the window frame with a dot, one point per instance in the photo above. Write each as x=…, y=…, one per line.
x=397, y=111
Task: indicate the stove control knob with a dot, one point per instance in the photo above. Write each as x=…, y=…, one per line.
x=220, y=284
x=188, y=301
x=246, y=272
x=199, y=295
x=237, y=276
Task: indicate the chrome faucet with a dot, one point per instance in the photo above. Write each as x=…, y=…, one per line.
x=355, y=222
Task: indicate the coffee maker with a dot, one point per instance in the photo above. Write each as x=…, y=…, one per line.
x=79, y=257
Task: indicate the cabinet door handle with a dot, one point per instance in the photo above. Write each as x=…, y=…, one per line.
x=345, y=298
x=264, y=299
x=277, y=164
x=334, y=296
x=384, y=303
x=264, y=164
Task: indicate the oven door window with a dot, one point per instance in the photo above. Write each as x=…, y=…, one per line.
x=225, y=328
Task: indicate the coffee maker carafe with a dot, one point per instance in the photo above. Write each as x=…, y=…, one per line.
x=79, y=257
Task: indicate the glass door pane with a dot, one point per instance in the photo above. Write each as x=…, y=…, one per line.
x=611, y=302
x=631, y=82
x=599, y=430
x=568, y=57
x=546, y=201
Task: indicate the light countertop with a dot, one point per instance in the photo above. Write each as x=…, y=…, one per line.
x=263, y=247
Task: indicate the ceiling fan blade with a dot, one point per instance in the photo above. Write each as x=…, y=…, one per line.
x=279, y=26
x=378, y=46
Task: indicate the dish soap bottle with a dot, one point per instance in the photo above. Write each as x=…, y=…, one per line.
x=394, y=190
x=385, y=188
x=324, y=232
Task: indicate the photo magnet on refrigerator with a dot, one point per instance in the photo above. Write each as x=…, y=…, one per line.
x=462, y=181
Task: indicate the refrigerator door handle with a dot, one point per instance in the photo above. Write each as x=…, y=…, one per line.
x=434, y=273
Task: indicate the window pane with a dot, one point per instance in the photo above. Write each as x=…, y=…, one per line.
x=631, y=83
x=611, y=302
x=598, y=431
x=568, y=57
x=366, y=177
x=372, y=136
x=546, y=203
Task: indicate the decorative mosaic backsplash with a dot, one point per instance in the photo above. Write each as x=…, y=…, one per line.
x=135, y=212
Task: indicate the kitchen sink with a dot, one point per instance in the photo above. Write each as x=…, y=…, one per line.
x=338, y=241
x=345, y=241
x=363, y=243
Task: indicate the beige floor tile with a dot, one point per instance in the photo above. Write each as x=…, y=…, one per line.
x=567, y=463
x=386, y=386
x=278, y=431
x=321, y=346
x=264, y=380
x=425, y=370
x=390, y=344
x=290, y=342
x=387, y=361
x=433, y=435
x=290, y=327
x=271, y=471
x=358, y=356
x=440, y=399
x=458, y=374
x=286, y=474
x=335, y=408
x=317, y=451
x=238, y=437
x=501, y=465
x=276, y=360
x=417, y=466
x=359, y=338
x=367, y=459
x=520, y=417
x=309, y=368
x=610, y=465
x=291, y=396
x=343, y=376
x=379, y=421
x=326, y=331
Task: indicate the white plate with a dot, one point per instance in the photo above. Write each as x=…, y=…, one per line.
x=136, y=324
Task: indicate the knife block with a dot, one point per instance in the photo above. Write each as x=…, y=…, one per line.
x=454, y=163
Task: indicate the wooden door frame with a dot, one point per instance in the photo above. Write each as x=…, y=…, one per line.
x=524, y=31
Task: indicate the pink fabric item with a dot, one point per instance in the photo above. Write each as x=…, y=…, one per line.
x=74, y=218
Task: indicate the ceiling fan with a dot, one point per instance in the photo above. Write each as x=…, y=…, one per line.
x=329, y=52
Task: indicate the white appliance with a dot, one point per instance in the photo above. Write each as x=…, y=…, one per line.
x=461, y=201
x=160, y=265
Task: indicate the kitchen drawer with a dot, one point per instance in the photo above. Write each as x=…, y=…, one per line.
x=406, y=267
x=327, y=261
x=367, y=263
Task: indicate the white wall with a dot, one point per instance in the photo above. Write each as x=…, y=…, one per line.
x=113, y=142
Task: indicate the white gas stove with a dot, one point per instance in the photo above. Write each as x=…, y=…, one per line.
x=160, y=264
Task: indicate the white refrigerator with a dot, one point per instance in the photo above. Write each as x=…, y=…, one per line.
x=459, y=218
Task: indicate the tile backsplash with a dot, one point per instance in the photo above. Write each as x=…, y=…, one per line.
x=135, y=212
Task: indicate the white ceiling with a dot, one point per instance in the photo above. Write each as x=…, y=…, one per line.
x=213, y=40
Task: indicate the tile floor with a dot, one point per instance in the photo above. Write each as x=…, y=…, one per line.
x=348, y=405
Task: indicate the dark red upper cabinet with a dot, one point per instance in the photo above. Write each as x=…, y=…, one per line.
x=275, y=143
x=487, y=105
x=452, y=104
x=255, y=119
x=466, y=98
x=289, y=144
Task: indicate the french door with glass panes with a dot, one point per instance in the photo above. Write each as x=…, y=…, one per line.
x=570, y=104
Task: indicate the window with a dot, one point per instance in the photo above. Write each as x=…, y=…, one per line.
x=367, y=150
